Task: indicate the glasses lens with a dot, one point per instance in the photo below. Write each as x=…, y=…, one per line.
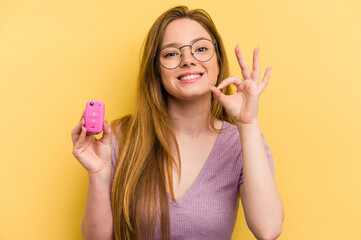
x=203, y=50
x=170, y=57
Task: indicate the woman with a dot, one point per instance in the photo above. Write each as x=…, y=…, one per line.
x=177, y=165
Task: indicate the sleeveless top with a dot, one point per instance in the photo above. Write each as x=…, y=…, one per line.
x=208, y=210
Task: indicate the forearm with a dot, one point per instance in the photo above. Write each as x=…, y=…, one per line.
x=261, y=201
x=97, y=221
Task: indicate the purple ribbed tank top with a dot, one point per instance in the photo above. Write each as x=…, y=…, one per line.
x=208, y=210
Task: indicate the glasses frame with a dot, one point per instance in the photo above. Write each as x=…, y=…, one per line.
x=190, y=46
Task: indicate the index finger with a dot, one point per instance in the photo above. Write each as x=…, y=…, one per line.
x=78, y=128
x=82, y=116
x=75, y=133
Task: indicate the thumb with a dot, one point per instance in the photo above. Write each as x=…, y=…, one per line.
x=107, y=132
x=218, y=95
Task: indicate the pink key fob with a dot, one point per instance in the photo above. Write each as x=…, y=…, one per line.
x=94, y=116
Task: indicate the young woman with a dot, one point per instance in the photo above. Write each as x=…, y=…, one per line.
x=177, y=166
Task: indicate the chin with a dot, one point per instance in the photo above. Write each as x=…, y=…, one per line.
x=192, y=95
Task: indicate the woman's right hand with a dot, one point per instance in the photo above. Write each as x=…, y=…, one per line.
x=94, y=154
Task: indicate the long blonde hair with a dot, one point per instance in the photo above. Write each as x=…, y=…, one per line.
x=144, y=171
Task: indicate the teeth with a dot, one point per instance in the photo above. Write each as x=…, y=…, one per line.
x=190, y=77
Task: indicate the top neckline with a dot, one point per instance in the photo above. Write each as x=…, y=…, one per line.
x=196, y=183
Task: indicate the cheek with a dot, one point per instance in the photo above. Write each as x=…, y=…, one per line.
x=215, y=70
x=163, y=76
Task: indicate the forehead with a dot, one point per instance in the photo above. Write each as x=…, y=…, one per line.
x=183, y=31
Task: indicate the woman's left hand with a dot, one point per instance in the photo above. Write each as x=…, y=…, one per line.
x=242, y=106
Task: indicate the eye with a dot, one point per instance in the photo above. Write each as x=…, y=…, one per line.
x=201, y=49
x=171, y=54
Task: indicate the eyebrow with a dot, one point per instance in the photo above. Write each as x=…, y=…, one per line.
x=175, y=44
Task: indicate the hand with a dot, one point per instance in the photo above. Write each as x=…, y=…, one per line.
x=242, y=106
x=95, y=155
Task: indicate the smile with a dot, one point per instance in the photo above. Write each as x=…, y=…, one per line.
x=189, y=77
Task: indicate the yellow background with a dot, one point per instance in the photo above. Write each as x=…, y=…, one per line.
x=56, y=55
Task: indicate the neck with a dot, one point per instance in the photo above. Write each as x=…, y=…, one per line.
x=190, y=117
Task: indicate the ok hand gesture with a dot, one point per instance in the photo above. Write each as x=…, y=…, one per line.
x=242, y=106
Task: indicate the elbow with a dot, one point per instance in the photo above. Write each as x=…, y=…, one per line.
x=274, y=230
x=272, y=234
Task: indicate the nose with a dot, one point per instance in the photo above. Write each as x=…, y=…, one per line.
x=187, y=57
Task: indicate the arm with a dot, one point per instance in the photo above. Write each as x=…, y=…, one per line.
x=97, y=222
x=95, y=156
x=261, y=201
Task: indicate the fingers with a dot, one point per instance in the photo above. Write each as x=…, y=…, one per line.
x=239, y=83
x=107, y=132
x=82, y=116
x=255, y=70
x=77, y=129
x=107, y=128
x=246, y=73
x=218, y=95
x=265, y=79
x=81, y=139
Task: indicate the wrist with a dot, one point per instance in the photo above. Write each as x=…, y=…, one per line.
x=249, y=128
x=250, y=124
x=101, y=177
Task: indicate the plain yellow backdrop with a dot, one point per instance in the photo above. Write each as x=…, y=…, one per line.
x=56, y=55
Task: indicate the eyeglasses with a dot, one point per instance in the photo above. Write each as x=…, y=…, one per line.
x=202, y=50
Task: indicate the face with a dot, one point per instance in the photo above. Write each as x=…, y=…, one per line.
x=191, y=79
